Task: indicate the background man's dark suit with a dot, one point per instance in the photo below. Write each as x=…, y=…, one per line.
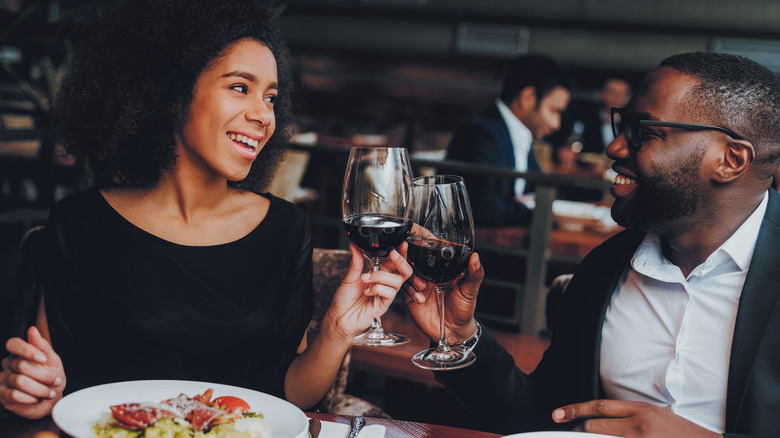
x=591, y=137
x=569, y=372
x=485, y=140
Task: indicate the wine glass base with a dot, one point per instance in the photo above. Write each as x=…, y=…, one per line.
x=436, y=360
x=372, y=339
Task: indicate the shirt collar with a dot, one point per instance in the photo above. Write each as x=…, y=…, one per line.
x=741, y=244
x=515, y=126
x=650, y=261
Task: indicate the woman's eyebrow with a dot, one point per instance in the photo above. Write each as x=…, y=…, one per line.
x=243, y=74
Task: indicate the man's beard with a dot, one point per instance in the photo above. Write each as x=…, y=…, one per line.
x=664, y=203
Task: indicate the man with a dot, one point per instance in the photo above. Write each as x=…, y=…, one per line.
x=586, y=127
x=672, y=327
x=590, y=121
x=534, y=93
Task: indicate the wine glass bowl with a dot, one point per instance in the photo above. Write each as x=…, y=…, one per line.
x=376, y=215
x=439, y=252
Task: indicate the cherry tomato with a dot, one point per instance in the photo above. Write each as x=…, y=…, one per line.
x=231, y=403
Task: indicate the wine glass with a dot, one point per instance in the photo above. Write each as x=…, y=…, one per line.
x=439, y=251
x=375, y=206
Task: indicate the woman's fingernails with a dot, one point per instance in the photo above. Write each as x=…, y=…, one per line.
x=365, y=277
x=40, y=357
x=57, y=381
x=52, y=394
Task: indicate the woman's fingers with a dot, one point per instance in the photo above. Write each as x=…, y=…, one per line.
x=33, y=370
x=20, y=347
x=28, y=390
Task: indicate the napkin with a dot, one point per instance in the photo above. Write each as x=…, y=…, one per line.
x=338, y=430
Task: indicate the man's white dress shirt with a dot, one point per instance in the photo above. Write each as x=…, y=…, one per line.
x=667, y=338
x=521, y=142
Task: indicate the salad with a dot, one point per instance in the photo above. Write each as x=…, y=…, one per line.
x=184, y=417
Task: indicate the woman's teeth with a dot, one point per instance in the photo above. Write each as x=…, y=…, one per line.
x=244, y=139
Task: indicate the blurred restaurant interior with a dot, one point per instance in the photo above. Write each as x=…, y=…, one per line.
x=402, y=73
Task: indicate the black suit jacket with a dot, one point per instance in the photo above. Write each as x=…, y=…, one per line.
x=485, y=140
x=569, y=372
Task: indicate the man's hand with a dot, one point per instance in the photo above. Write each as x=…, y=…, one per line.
x=460, y=301
x=630, y=419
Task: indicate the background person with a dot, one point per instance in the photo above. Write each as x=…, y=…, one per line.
x=670, y=328
x=534, y=93
x=172, y=267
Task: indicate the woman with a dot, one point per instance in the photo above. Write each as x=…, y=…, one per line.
x=172, y=267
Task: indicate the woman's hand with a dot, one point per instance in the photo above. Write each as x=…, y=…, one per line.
x=365, y=296
x=460, y=302
x=33, y=378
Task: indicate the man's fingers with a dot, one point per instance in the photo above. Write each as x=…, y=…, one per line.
x=593, y=409
x=471, y=280
x=605, y=426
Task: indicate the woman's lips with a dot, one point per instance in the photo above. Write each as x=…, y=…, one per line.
x=247, y=146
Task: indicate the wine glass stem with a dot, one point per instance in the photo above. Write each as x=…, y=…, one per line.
x=442, y=333
x=376, y=330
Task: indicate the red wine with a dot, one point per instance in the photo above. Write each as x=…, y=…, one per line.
x=437, y=261
x=377, y=234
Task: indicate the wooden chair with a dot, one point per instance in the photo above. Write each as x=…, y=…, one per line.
x=330, y=267
x=286, y=183
x=20, y=304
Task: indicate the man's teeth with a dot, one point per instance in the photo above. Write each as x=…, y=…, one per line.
x=622, y=179
x=244, y=139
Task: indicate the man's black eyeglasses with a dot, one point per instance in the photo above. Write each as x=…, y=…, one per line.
x=632, y=127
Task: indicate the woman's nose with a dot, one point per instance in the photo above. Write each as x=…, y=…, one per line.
x=261, y=112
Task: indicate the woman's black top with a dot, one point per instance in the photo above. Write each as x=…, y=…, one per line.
x=123, y=304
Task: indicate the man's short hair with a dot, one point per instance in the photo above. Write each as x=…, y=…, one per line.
x=538, y=71
x=738, y=94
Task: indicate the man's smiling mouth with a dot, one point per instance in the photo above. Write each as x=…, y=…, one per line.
x=623, y=180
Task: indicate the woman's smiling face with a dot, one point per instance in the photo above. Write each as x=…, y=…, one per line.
x=231, y=116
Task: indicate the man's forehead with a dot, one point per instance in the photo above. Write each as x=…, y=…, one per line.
x=662, y=91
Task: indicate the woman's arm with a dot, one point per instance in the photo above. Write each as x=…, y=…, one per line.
x=360, y=298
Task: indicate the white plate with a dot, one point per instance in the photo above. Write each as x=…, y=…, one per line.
x=76, y=413
x=557, y=434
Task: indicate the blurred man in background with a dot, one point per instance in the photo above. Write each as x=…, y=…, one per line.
x=534, y=93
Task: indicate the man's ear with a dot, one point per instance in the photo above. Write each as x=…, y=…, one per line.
x=525, y=101
x=737, y=158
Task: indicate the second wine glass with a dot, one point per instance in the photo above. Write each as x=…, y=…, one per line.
x=375, y=206
x=439, y=251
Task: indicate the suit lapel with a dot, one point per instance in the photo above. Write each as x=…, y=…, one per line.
x=504, y=139
x=760, y=297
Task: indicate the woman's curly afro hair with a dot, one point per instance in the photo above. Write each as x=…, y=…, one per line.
x=130, y=84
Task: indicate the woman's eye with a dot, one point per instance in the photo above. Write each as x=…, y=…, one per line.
x=271, y=99
x=240, y=88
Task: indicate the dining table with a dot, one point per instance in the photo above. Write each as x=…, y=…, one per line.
x=15, y=427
